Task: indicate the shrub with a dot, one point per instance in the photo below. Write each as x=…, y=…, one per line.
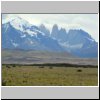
x=7, y=66
x=24, y=81
x=14, y=65
x=41, y=67
x=79, y=70
x=3, y=82
x=50, y=67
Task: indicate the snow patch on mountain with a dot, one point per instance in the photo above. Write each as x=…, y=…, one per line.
x=90, y=39
x=6, y=27
x=23, y=36
x=24, y=27
x=31, y=42
x=67, y=45
x=15, y=44
x=19, y=23
x=31, y=33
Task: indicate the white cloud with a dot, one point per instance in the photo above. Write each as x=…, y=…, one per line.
x=87, y=22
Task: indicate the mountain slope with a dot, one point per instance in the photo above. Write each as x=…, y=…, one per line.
x=44, y=29
x=20, y=34
x=77, y=42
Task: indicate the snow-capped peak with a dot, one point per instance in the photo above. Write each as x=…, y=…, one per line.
x=20, y=24
x=24, y=26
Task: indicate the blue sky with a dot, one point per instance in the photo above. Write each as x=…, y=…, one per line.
x=87, y=22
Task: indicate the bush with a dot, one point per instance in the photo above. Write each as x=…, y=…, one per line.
x=3, y=83
x=13, y=65
x=41, y=67
x=7, y=66
x=50, y=67
x=79, y=70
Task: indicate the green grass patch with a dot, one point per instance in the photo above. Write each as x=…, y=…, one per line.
x=49, y=75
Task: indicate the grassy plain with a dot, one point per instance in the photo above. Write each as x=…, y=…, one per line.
x=29, y=75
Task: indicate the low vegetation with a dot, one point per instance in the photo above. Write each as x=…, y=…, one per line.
x=49, y=75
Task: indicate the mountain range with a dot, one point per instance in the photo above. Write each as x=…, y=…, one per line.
x=20, y=34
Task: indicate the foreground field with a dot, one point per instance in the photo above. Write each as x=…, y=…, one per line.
x=49, y=76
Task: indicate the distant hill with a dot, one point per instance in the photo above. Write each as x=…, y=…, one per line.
x=41, y=57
